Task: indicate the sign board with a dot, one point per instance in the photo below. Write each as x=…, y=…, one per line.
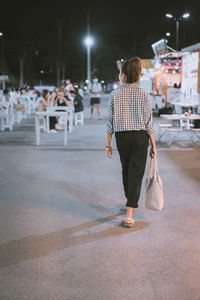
x=3, y=77
x=160, y=47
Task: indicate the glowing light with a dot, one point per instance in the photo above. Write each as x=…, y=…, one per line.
x=115, y=86
x=168, y=33
x=186, y=15
x=170, y=16
x=88, y=41
x=1, y=33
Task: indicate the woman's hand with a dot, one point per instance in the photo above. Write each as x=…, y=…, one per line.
x=153, y=151
x=109, y=151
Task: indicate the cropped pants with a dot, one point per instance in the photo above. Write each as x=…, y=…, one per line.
x=132, y=147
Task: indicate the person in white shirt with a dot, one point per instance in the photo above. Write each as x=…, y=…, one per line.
x=78, y=90
x=95, y=89
x=5, y=96
x=68, y=88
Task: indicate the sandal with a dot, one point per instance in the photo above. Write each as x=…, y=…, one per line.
x=129, y=225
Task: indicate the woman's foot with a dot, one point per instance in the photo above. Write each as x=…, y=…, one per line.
x=57, y=127
x=53, y=131
x=128, y=222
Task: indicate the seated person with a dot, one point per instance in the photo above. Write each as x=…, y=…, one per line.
x=5, y=96
x=43, y=103
x=53, y=97
x=78, y=103
x=61, y=100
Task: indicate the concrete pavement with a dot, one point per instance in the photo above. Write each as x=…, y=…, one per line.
x=60, y=215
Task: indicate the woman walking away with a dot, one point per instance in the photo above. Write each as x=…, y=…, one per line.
x=130, y=118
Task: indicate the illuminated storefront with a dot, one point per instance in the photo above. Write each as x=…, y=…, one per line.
x=191, y=70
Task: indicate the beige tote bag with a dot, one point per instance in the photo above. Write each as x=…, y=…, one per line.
x=153, y=195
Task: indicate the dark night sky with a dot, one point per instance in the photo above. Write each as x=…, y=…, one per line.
x=120, y=29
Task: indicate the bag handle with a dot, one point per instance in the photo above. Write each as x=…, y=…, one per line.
x=155, y=165
x=153, y=160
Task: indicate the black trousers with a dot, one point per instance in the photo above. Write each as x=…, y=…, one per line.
x=52, y=122
x=132, y=147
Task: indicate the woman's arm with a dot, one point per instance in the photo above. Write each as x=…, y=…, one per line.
x=48, y=101
x=55, y=101
x=149, y=127
x=45, y=102
x=109, y=127
x=66, y=102
x=153, y=145
x=108, y=143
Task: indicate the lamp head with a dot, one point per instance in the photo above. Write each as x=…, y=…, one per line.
x=170, y=16
x=88, y=41
x=186, y=15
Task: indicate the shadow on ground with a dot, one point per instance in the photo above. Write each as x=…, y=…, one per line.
x=187, y=161
x=35, y=246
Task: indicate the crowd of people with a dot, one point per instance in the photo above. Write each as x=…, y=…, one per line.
x=13, y=94
x=70, y=95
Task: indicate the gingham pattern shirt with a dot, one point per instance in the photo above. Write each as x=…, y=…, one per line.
x=129, y=108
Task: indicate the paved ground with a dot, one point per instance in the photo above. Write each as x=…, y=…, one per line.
x=60, y=215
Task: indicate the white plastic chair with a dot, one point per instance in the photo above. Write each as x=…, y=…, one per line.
x=178, y=109
x=23, y=100
x=7, y=115
x=165, y=127
x=19, y=116
x=79, y=118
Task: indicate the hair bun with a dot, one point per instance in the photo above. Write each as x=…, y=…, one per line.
x=132, y=69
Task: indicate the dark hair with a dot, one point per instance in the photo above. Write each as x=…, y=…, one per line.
x=44, y=93
x=5, y=91
x=73, y=92
x=132, y=69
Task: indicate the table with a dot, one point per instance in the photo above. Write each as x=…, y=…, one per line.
x=67, y=109
x=48, y=114
x=181, y=117
x=184, y=124
x=186, y=104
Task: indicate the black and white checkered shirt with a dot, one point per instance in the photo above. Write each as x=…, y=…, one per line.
x=129, y=108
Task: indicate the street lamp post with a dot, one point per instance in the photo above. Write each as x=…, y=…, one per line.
x=177, y=20
x=88, y=43
x=2, y=56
